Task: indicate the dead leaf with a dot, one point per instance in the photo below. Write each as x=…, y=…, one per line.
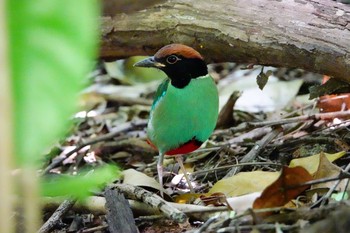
x=136, y=178
x=330, y=87
x=284, y=188
x=242, y=203
x=326, y=169
x=275, y=96
x=244, y=183
x=262, y=78
x=225, y=118
x=311, y=163
x=334, y=103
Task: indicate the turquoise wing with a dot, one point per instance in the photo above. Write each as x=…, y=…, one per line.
x=161, y=90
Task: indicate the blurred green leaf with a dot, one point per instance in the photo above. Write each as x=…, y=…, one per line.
x=340, y=196
x=124, y=71
x=141, y=75
x=79, y=186
x=52, y=43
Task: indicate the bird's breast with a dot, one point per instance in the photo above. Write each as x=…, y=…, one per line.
x=184, y=114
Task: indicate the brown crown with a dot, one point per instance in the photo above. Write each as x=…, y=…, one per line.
x=178, y=49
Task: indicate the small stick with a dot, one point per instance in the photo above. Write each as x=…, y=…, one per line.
x=253, y=153
x=153, y=200
x=120, y=129
x=214, y=169
x=127, y=100
x=317, y=116
x=57, y=215
x=331, y=190
x=95, y=229
x=96, y=205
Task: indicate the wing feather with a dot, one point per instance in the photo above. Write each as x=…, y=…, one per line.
x=161, y=90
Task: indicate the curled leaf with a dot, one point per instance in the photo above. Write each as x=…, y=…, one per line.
x=284, y=189
x=262, y=78
x=311, y=163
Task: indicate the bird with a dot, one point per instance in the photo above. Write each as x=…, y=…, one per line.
x=185, y=107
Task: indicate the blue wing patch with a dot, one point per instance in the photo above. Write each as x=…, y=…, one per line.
x=162, y=88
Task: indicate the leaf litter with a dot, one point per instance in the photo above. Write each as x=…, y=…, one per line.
x=289, y=144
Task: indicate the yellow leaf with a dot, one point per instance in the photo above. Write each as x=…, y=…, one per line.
x=311, y=163
x=326, y=169
x=244, y=183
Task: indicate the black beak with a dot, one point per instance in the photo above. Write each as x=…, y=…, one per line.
x=149, y=62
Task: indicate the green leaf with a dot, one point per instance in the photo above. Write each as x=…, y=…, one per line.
x=340, y=196
x=52, y=44
x=79, y=186
x=139, y=75
x=126, y=73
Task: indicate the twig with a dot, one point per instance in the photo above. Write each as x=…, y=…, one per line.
x=253, y=153
x=206, y=225
x=255, y=133
x=341, y=176
x=317, y=116
x=234, y=165
x=304, y=140
x=118, y=130
x=331, y=190
x=56, y=216
x=153, y=200
x=126, y=100
x=262, y=227
x=96, y=205
x=284, y=216
x=95, y=229
x=306, y=213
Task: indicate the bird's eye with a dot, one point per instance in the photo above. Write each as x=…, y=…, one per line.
x=172, y=59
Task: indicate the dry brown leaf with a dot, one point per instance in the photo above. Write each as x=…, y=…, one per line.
x=333, y=102
x=225, y=118
x=284, y=188
x=244, y=183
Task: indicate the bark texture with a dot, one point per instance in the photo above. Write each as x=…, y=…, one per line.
x=309, y=34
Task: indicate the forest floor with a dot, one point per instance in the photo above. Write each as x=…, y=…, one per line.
x=276, y=162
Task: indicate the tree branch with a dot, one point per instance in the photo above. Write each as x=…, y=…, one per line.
x=309, y=34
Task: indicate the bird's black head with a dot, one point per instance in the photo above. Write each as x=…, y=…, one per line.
x=180, y=62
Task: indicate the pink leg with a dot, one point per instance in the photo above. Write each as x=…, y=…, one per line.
x=160, y=172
